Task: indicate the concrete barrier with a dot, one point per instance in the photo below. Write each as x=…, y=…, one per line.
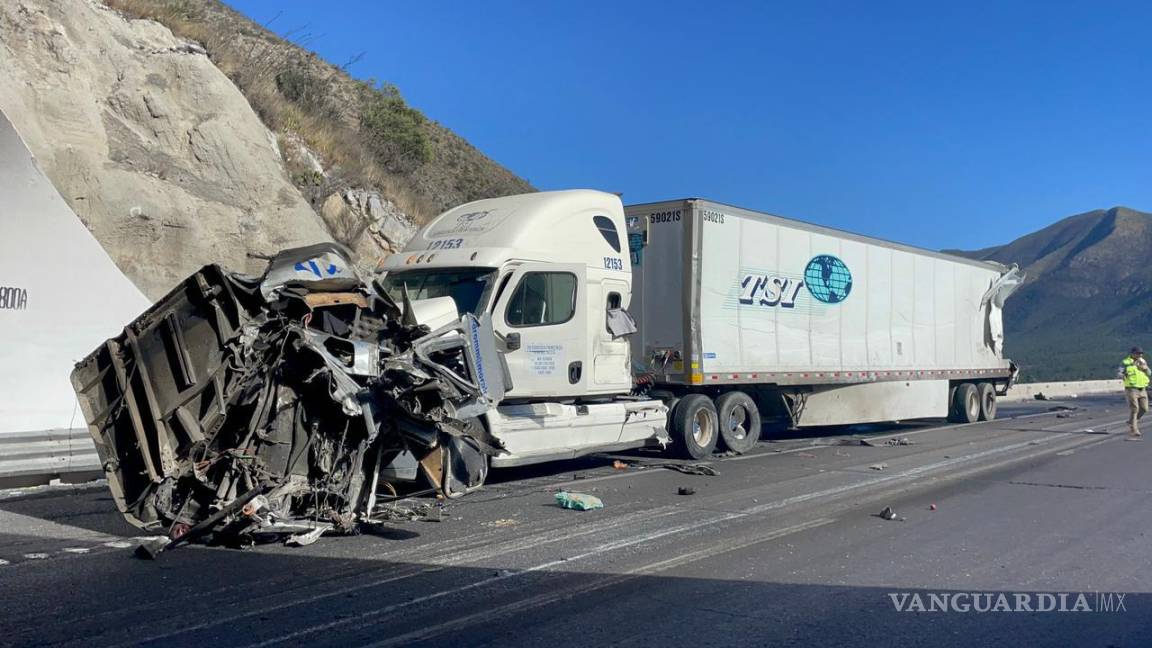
x=1028, y=391
x=38, y=457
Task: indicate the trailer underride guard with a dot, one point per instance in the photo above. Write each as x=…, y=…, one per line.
x=239, y=407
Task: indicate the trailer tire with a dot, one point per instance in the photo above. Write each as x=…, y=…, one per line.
x=966, y=404
x=987, y=395
x=695, y=427
x=739, y=421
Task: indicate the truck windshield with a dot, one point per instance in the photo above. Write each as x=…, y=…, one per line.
x=468, y=288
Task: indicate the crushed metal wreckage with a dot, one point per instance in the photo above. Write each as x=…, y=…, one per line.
x=239, y=407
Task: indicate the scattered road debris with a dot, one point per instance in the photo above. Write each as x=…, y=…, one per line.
x=806, y=455
x=688, y=469
x=307, y=538
x=4, y=562
x=890, y=515
x=1064, y=415
x=151, y=548
x=879, y=466
x=685, y=490
x=409, y=511
x=1062, y=408
x=1041, y=397
x=901, y=441
x=619, y=465
x=931, y=507
x=278, y=405
x=578, y=501
x=502, y=523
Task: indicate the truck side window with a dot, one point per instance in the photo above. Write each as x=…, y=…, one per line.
x=541, y=299
x=608, y=231
x=618, y=322
x=613, y=304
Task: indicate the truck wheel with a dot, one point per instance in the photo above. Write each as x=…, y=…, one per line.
x=694, y=427
x=987, y=395
x=739, y=421
x=966, y=404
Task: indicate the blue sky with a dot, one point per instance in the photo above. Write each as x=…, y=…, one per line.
x=961, y=124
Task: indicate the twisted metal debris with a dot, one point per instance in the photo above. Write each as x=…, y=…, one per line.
x=239, y=406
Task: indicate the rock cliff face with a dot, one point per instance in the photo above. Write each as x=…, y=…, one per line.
x=154, y=148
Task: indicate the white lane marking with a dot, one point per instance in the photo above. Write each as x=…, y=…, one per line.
x=4, y=562
x=77, y=550
x=775, y=453
x=608, y=546
x=20, y=524
x=548, y=598
x=35, y=556
x=547, y=537
x=439, y=563
x=612, y=546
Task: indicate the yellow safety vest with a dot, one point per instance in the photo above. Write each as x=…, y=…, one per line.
x=1133, y=377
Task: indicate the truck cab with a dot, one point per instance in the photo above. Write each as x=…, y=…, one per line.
x=552, y=270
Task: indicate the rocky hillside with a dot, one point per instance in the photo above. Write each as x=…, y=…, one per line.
x=1087, y=297
x=336, y=132
x=219, y=142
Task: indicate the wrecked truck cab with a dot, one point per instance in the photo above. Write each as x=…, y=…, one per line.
x=238, y=406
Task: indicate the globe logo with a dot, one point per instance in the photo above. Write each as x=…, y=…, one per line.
x=828, y=279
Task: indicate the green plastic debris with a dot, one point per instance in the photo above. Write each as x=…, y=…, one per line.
x=578, y=501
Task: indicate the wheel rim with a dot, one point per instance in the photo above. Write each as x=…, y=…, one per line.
x=974, y=406
x=990, y=402
x=738, y=423
x=702, y=428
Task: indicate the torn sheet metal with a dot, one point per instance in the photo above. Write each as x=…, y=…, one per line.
x=241, y=406
x=993, y=304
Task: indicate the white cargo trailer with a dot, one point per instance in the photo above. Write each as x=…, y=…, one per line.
x=820, y=326
x=738, y=316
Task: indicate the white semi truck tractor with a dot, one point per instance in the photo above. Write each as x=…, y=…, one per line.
x=688, y=323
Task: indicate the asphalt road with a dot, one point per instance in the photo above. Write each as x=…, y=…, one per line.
x=783, y=547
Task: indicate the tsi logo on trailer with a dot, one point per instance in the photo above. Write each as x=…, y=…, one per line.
x=827, y=278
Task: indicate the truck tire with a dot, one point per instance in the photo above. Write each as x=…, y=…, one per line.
x=739, y=421
x=695, y=427
x=966, y=404
x=987, y=394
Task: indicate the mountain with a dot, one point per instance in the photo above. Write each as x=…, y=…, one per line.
x=181, y=133
x=1088, y=296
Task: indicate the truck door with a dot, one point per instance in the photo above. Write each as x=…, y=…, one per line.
x=542, y=311
x=612, y=372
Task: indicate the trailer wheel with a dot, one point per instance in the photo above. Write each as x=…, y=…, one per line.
x=966, y=404
x=739, y=421
x=987, y=395
x=694, y=427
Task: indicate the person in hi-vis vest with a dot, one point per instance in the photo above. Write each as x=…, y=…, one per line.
x=1135, y=373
